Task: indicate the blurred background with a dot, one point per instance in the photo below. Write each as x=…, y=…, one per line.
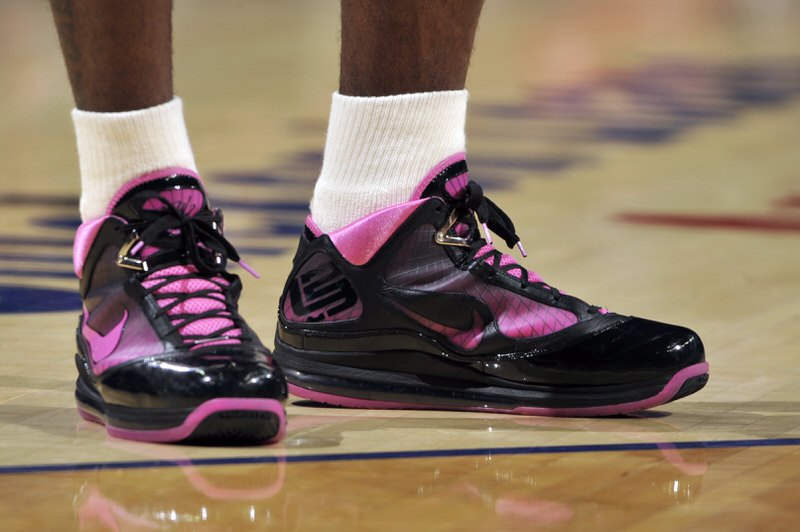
x=648, y=152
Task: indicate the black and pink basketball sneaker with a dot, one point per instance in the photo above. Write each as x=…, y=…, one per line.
x=412, y=307
x=163, y=354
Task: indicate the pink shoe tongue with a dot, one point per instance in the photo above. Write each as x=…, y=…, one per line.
x=188, y=200
x=447, y=180
x=178, y=186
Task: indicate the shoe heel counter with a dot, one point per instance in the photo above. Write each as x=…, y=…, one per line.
x=316, y=289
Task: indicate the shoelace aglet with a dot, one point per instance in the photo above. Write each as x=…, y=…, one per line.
x=521, y=249
x=249, y=269
x=487, y=234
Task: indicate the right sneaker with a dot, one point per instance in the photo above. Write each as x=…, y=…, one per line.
x=163, y=354
x=411, y=307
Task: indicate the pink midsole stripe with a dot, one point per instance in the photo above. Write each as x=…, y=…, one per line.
x=198, y=415
x=669, y=390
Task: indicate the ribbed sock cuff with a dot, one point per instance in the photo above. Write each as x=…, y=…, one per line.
x=114, y=148
x=378, y=149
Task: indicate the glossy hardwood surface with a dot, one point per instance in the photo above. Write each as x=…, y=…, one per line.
x=667, y=489
x=647, y=153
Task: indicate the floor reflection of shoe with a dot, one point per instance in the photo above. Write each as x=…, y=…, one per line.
x=411, y=307
x=234, y=497
x=163, y=354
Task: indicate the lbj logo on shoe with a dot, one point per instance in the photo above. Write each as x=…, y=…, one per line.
x=101, y=346
x=322, y=293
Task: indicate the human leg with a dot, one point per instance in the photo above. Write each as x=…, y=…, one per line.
x=406, y=47
x=163, y=354
x=118, y=53
x=401, y=105
x=118, y=56
x=398, y=298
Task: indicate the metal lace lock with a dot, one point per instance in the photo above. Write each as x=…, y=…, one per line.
x=126, y=261
x=443, y=238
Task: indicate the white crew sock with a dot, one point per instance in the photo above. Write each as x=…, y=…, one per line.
x=378, y=150
x=114, y=148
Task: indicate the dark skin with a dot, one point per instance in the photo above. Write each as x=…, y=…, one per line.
x=119, y=52
x=404, y=46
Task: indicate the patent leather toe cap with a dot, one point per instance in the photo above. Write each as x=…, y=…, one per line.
x=658, y=346
x=635, y=350
x=186, y=380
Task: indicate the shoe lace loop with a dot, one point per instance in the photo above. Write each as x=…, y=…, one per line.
x=219, y=321
x=196, y=237
x=193, y=294
x=489, y=215
x=493, y=219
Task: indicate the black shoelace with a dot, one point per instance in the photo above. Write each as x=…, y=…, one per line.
x=178, y=236
x=191, y=241
x=492, y=218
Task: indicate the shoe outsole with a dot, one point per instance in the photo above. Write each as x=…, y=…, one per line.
x=685, y=382
x=217, y=421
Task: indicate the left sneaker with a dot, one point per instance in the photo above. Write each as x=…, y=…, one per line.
x=411, y=307
x=163, y=353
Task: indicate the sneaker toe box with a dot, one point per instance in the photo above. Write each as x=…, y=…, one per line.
x=189, y=379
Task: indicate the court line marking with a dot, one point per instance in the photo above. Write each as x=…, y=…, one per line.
x=387, y=455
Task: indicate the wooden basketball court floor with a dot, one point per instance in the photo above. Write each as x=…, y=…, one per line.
x=648, y=152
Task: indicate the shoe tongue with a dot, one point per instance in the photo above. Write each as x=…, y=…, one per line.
x=184, y=192
x=447, y=180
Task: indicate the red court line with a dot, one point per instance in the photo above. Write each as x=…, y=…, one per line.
x=768, y=223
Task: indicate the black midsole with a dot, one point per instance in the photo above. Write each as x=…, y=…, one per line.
x=431, y=380
x=130, y=417
x=228, y=426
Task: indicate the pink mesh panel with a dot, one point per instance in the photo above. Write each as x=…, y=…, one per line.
x=215, y=300
x=505, y=260
x=520, y=317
